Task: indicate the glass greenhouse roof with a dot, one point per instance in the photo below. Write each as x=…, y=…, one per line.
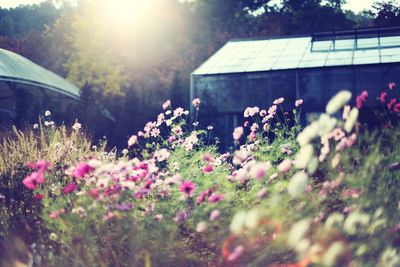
x=356, y=47
x=15, y=68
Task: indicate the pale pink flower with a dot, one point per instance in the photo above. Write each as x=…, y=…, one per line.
x=254, y=127
x=278, y=101
x=263, y=113
x=392, y=85
x=266, y=127
x=208, y=157
x=258, y=171
x=155, y=132
x=179, y=112
x=196, y=102
x=236, y=253
x=160, y=118
x=262, y=193
x=285, y=166
x=132, y=140
x=237, y=133
x=166, y=104
x=298, y=102
x=337, y=134
x=335, y=161
x=215, y=214
x=272, y=110
x=201, y=227
x=214, y=198
x=346, y=112
x=351, y=140
x=202, y=196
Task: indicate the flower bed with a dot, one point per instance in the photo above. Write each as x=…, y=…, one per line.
x=283, y=196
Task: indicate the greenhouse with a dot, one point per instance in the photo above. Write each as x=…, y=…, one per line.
x=254, y=72
x=27, y=90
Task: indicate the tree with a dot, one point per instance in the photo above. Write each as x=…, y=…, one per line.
x=387, y=13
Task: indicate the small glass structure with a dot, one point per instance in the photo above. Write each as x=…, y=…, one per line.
x=254, y=72
x=27, y=90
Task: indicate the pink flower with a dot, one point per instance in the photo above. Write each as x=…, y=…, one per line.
x=285, y=166
x=207, y=169
x=391, y=103
x=166, y=104
x=237, y=133
x=33, y=179
x=201, y=198
x=82, y=169
x=132, y=140
x=278, y=101
x=187, y=188
x=263, y=113
x=383, y=97
x=38, y=197
x=250, y=111
x=196, y=102
x=214, y=198
x=208, y=157
x=93, y=193
x=272, y=110
x=392, y=85
x=397, y=108
x=69, y=188
x=298, y=102
x=351, y=140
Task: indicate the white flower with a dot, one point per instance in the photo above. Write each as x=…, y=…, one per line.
x=35, y=126
x=125, y=151
x=298, y=231
x=238, y=222
x=304, y=156
x=355, y=221
x=47, y=113
x=76, y=126
x=297, y=184
x=334, y=219
x=312, y=166
x=326, y=124
x=335, y=250
x=338, y=101
x=132, y=140
x=349, y=124
x=252, y=219
x=201, y=227
x=308, y=134
x=390, y=258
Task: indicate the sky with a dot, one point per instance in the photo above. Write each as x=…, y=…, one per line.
x=354, y=5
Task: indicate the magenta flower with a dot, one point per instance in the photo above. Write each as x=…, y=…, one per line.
x=69, y=188
x=382, y=97
x=397, y=108
x=215, y=198
x=93, y=193
x=391, y=103
x=201, y=198
x=187, y=188
x=361, y=99
x=33, y=179
x=40, y=165
x=207, y=169
x=82, y=169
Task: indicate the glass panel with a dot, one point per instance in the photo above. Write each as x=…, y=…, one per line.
x=322, y=45
x=390, y=41
x=337, y=58
x=344, y=44
x=363, y=43
x=366, y=57
x=7, y=104
x=389, y=55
